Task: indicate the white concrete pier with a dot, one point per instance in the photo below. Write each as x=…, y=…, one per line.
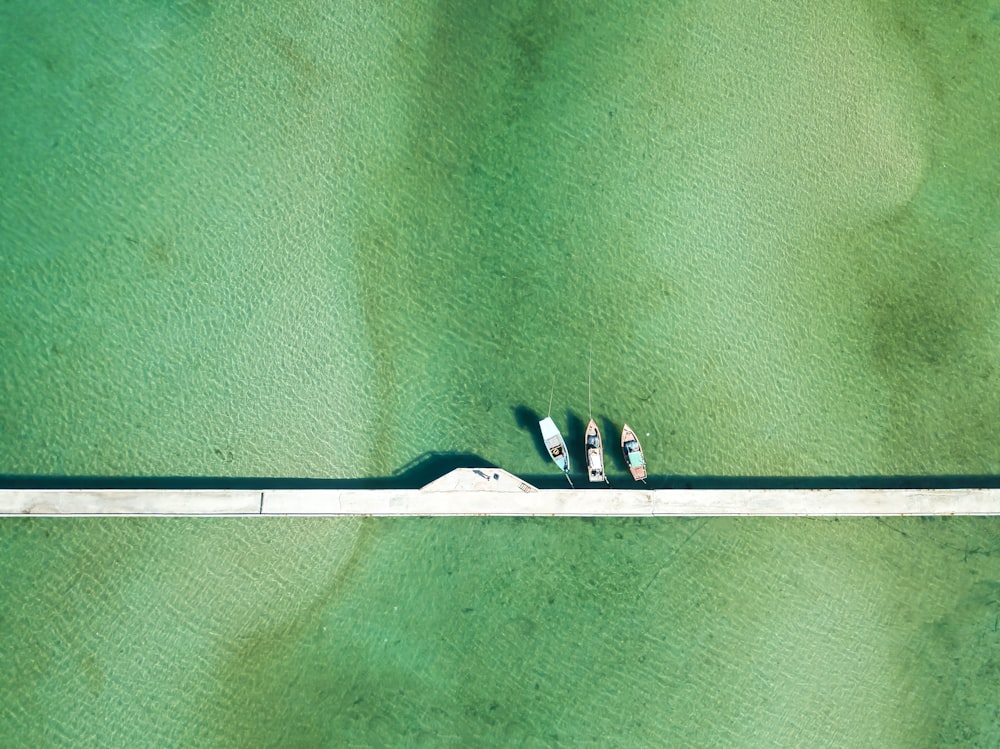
x=491, y=491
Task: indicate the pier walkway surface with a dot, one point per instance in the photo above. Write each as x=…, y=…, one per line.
x=492, y=491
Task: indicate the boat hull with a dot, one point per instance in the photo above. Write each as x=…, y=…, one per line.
x=554, y=444
x=595, y=454
x=632, y=450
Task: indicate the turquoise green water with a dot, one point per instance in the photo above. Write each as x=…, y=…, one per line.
x=479, y=632
x=233, y=239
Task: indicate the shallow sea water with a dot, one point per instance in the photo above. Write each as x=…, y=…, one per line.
x=234, y=239
x=500, y=632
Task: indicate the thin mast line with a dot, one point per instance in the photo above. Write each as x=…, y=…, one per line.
x=590, y=366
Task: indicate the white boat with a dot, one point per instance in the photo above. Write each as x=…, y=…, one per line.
x=592, y=438
x=556, y=445
x=595, y=454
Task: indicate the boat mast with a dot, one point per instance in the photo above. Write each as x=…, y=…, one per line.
x=590, y=366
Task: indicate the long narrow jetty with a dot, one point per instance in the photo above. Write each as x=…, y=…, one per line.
x=491, y=491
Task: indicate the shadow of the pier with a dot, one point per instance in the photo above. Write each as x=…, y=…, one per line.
x=620, y=479
x=430, y=466
x=418, y=472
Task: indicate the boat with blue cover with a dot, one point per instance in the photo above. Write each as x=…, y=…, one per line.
x=634, y=458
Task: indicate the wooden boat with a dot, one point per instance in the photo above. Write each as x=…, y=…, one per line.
x=592, y=440
x=556, y=445
x=595, y=454
x=633, y=454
